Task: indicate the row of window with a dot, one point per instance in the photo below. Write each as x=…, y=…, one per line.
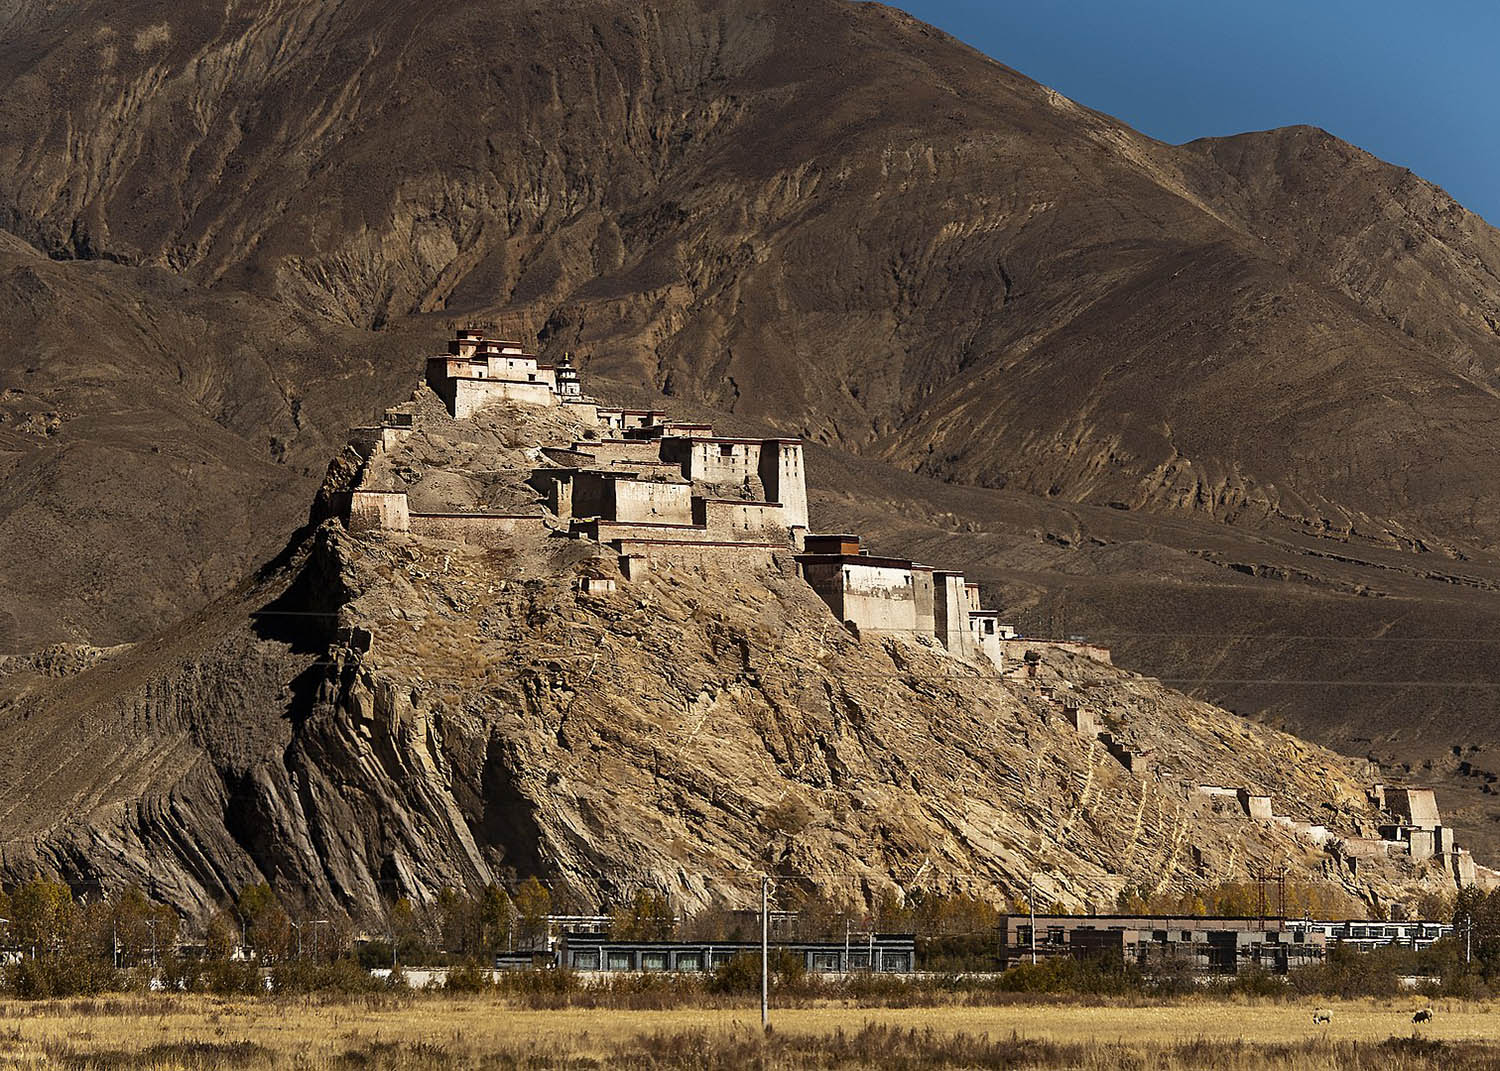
x=666, y=960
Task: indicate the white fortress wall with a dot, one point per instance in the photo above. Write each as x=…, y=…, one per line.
x=879, y=598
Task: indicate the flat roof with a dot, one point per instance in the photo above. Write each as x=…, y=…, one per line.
x=743, y=502
x=602, y=939
x=486, y=516
x=855, y=559
x=731, y=439
x=695, y=543
x=648, y=524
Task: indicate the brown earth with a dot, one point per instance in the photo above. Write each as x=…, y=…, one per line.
x=231, y=231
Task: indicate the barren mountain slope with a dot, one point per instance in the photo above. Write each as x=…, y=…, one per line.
x=387, y=715
x=820, y=216
x=827, y=216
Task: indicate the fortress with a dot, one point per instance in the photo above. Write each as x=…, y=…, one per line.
x=657, y=491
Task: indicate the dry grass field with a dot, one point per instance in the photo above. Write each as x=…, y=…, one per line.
x=400, y=1032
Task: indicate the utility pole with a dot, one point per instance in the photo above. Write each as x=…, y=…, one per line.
x=1469, y=938
x=765, y=951
x=1031, y=910
x=316, y=944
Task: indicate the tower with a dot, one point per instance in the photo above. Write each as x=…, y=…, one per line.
x=568, y=383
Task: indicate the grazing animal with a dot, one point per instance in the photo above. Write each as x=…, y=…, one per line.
x=1423, y=1016
x=1322, y=1015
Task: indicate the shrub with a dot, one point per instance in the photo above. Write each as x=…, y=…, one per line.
x=468, y=978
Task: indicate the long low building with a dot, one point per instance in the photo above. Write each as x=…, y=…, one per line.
x=1221, y=944
x=887, y=953
x=1366, y=935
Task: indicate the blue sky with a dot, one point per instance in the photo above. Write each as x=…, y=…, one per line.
x=1417, y=84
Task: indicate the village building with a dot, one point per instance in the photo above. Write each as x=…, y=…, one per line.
x=1219, y=945
x=884, y=953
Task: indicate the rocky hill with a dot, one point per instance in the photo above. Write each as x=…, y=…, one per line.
x=1180, y=395
x=386, y=713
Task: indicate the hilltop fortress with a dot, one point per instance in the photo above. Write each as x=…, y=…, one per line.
x=658, y=491
x=633, y=496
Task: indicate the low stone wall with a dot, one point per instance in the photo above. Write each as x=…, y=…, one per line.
x=479, y=529
x=639, y=556
x=472, y=395
x=610, y=531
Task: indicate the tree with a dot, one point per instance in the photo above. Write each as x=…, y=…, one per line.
x=268, y=930
x=648, y=917
x=494, y=919
x=41, y=914
x=222, y=936
x=533, y=905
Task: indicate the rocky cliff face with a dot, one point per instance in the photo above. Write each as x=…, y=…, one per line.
x=388, y=714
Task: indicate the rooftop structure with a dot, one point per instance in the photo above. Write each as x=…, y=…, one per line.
x=477, y=372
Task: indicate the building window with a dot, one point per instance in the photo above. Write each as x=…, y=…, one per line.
x=825, y=961
x=895, y=962
x=726, y=449
x=586, y=961
x=721, y=959
x=653, y=961
x=859, y=961
x=689, y=961
x=621, y=961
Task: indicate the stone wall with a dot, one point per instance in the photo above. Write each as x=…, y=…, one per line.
x=877, y=598
x=922, y=594
x=469, y=396
x=987, y=638
x=732, y=518
x=378, y=511
x=650, y=502
x=730, y=462
x=607, y=531
x=640, y=556
x=1417, y=806
x=880, y=599
x=479, y=529
x=630, y=451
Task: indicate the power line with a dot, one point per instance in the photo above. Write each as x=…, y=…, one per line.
x=1199, y=681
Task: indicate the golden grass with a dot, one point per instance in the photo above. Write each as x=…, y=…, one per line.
x=421, y=1029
